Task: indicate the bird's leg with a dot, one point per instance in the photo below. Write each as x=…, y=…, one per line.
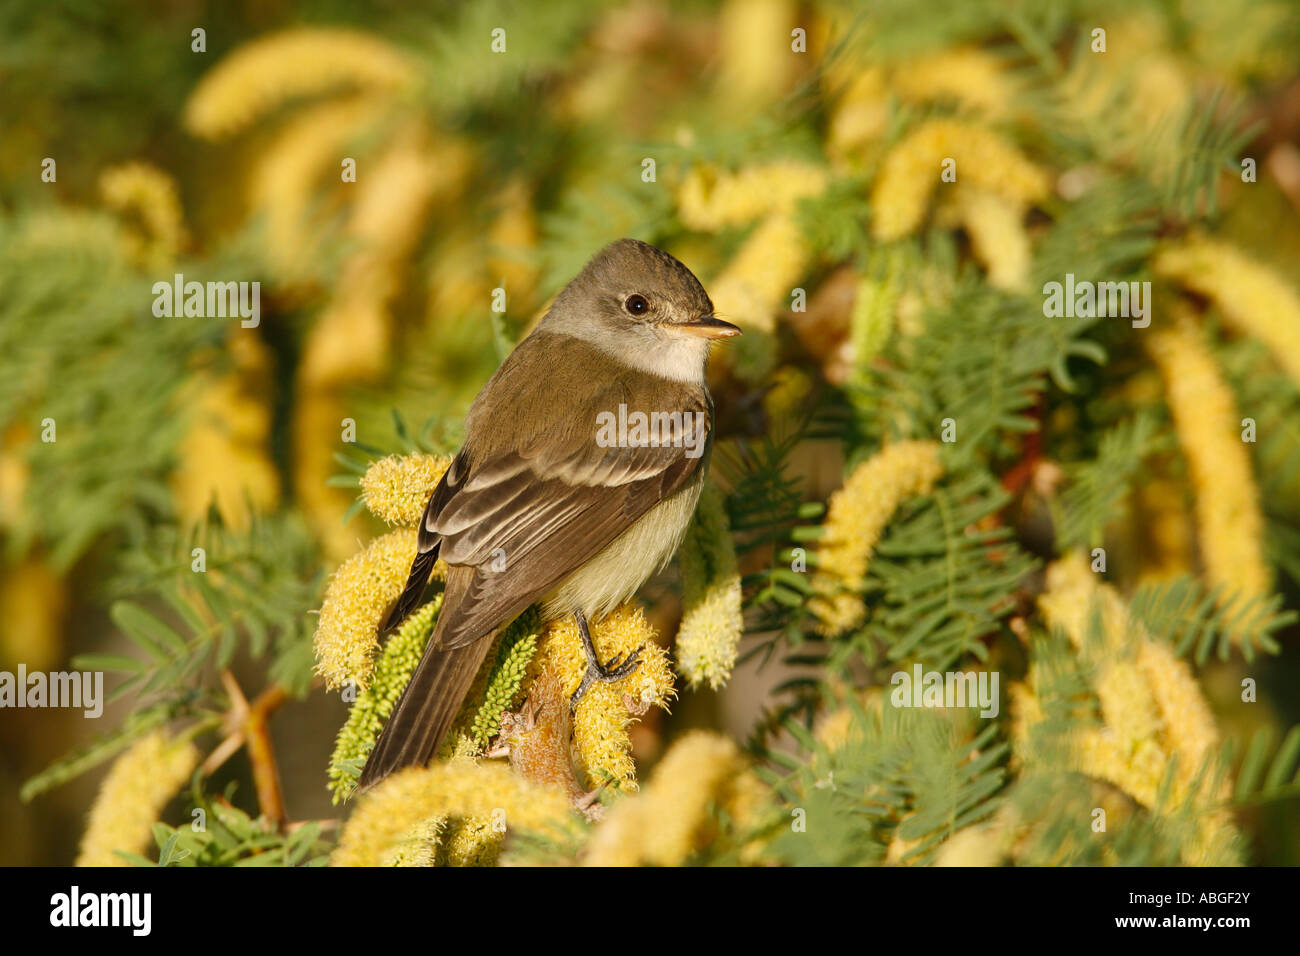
x=598, y=673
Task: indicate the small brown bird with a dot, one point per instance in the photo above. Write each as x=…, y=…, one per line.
x=581, y=467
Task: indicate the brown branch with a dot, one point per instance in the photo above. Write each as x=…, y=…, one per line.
x=261, y=753
x=247, y=725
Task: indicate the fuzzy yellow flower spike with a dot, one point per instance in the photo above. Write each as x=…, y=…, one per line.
x=1151, y=706
x=861, y=112
x=711, y=201
x=34, y=601
x=1253, y=298
x=971, y=77
x=318, y=415
x=712, y=624
x=996, y=226
x=224, y=456
x=292, y=168
x=1230, y=523
x=855, y=519
x=756, y=65
x=137, y=788
x=305, y=61
x=350, y=341
x=150, y=194
x=397, y=488
x=672, y=817
x=912, y=170
x=760, y=278
x=758, y=281
x=359, y=594
x=602, y=747
x=15, y=474
x=458, y=788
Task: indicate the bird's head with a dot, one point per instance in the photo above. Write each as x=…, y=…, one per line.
x=642, y=306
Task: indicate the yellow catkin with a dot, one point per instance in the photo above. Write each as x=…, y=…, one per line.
x=712, y=623
x=1152, y=709
x=149, y=193
x=672, y=818
x=602, y=747
x=1133, y=724
x=133, y=795
x=474, y=841
x=15, y=474
x=709, y=201
x=34, y=603
x=1138, y=97
x=996, y=226
x=861, y=111
x=418, y=847
x=358, y=596
x=1190, y=732
x=397, y=488
x=458, y=788
x=759, y=280
x=859, y=115
x=761, y=277
x=1026, y=713
x=225, y=455
x=513, y=243
x=1253, y=298
x=318, y=424
x=982, y=844
x=305, y=61
x=971, y=77
x=757, y=63
x=350, y=341
x=912, y=169
x=1230, y=524
x=856, y=517
x=283, y=183
x=836, y=728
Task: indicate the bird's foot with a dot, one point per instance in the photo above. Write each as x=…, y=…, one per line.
x=597, y=673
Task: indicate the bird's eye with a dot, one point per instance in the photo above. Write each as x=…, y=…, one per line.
x=636, y=304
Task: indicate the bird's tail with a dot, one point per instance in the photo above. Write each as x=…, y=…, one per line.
x=433, y=697
x=426, y=709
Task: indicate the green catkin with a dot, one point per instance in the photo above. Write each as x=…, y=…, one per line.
x=506, y=680
x=393, y=670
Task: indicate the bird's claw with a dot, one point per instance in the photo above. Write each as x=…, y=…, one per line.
x=597, y=673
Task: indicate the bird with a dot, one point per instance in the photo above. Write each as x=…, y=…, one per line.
x=583, y=460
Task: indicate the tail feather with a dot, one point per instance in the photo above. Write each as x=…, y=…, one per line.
x=426, y=709
x=433, y=697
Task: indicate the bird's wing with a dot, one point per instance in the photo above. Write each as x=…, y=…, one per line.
x=539, y=511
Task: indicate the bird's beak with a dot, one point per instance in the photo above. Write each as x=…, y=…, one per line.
x=708, y=327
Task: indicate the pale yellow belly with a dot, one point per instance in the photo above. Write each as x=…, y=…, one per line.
x=627, y=562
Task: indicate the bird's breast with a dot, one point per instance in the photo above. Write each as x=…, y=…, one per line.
x=614, y=574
